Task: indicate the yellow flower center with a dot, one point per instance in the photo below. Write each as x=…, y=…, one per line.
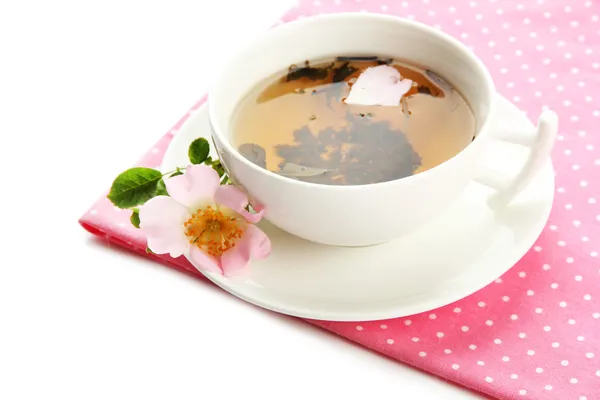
x=214, y=231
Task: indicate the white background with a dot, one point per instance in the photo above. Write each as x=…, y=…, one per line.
x=85, y=89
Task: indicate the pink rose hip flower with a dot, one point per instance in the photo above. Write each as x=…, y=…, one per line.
x=206, y=222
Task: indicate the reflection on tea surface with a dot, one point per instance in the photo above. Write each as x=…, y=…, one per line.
x=298, y=124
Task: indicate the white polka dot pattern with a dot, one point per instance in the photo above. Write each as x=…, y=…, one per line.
x=535, y=332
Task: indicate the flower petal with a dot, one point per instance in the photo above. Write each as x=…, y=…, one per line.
x=259, y=208
x=203, y=261
x=161, y=220
x=195, y=186
x=235, y=199
x=382, y=85
x=254, y=243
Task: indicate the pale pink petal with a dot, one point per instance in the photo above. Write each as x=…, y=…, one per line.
x=196, y=186
x=259, y=208
x=161, y=220
x=235, y=199
x=254, y=244
x=377, y=77
x=379, y=86
x=204, y=262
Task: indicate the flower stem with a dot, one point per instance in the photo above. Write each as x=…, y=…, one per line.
x=178, y=169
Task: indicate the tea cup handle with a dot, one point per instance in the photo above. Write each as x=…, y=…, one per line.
x=540, y=142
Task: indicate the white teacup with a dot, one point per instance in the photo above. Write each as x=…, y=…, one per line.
x=374, y=213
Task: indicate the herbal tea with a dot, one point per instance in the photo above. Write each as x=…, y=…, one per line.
x=324, y=124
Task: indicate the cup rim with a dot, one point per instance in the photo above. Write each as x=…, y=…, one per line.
x=298, y=23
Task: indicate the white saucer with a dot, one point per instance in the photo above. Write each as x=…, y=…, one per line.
x=456, y=255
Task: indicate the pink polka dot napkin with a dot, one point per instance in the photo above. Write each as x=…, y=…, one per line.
x=534, y=333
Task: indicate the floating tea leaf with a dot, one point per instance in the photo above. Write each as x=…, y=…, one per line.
x=312, y=73
x=447, y=89
x=386, y=61
x=357, y=58
x=333, y=92
x=438, y=80
x=341, y=73
x=378, y=60
x=405, y=109
x=254, y=153
x=294, y=170
x=424, y=90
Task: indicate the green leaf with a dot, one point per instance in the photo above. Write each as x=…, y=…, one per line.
x=148, y=251
x=176, y=173
x=198, y=151
x=161, y=188
x=135, y=218
x=134, y=187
